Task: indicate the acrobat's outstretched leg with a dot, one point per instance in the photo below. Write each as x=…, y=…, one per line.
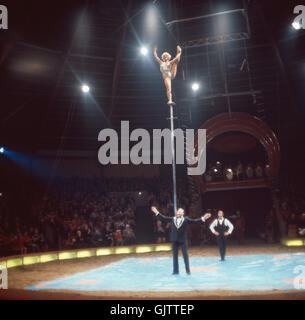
x=175, y=64
x=174, y=70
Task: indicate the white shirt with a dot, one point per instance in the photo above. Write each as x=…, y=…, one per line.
x=221, y=221
x=179, y=221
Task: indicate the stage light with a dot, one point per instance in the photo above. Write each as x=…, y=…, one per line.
x=144, y=249
x=140, y=193
x=296, y=25
x=2, y=150
x=85, y=253
x=215, y=170
x=85, y=88
x=104, y=252
x=31, y=260
x=195, y=86
x=163, y=248
x=152, y=22
x=144, y=51
x=123, y=250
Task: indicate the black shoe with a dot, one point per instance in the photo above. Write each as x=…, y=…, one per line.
x=222, y=259
x=175, y=273
x=188, y=273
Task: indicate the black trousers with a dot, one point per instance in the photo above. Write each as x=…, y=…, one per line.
x=175, y=247
x=221, y=241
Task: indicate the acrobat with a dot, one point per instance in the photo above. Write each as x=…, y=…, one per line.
x=168, y=69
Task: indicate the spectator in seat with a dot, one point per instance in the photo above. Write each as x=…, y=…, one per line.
x=79, y=240
x=109, y=238
x=267, y=170
x=160, y=232
x=70, y=241
x=87, y=235
x=239, y=171
x=229, y=174
x=36, y=241
x=118, y=238
x=259, y=171
x=98, y=237
x=23, y=242
x=129, y=235
x=249, y=171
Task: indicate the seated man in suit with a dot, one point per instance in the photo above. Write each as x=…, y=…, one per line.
x=179, y=234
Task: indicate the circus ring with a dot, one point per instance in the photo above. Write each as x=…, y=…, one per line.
x=252, y=271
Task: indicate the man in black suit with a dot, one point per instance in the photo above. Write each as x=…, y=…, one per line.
x=178, y=237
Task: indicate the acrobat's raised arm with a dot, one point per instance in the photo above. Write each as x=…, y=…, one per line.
x=156, y=55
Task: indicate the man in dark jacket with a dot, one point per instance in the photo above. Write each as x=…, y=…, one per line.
x=178, y=236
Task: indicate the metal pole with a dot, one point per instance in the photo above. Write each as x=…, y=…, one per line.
x=173, y=156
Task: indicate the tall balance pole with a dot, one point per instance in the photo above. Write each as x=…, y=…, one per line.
x=171, y=118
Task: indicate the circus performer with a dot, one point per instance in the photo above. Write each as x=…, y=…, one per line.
x=168, y=69
x=222, y=228
x=179, y=235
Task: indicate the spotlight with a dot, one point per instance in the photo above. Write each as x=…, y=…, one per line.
x=215, y=170
x=85, y=88
x=2, y=150
x=144, y=51
x=195, y=86
x=296, y=25
x=140, y=193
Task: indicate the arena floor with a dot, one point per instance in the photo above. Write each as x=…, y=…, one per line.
x=45, y=281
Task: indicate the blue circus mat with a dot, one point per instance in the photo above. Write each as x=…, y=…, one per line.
x=261, y=272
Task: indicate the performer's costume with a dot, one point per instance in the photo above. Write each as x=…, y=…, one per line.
x=221, y=225
x=165, y=69
x=179, y=238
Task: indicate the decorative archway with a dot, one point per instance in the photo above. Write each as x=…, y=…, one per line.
x=245, y=123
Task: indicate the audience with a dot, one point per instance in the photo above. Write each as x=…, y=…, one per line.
x=79, y=213
x=228, y=172
x=74, y=213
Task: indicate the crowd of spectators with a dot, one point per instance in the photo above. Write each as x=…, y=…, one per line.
x=238, y=171
x=291, y=213
x=292, y=209
x=78, y=213
x=73, y=213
